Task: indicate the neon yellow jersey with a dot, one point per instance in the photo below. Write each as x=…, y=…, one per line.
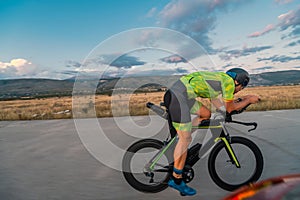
x=209, y=85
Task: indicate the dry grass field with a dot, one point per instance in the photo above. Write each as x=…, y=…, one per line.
x=273, y=98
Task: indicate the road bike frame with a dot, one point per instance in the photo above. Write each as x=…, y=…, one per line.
x=219, y=133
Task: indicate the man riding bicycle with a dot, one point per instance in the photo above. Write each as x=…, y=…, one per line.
x=180, y=101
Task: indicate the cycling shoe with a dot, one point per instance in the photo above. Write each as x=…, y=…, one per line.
x=182, y=188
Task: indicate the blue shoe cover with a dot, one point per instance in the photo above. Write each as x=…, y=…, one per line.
x=182, y=188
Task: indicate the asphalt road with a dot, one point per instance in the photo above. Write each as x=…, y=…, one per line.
x=48, y=160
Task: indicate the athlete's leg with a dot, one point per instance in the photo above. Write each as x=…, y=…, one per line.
x=179, y=114
x=202, y=114
x=180, y=152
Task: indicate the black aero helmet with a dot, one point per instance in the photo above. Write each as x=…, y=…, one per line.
x=240, y=75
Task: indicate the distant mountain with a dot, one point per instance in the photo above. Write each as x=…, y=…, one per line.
x=39, y=88
x=28, y=88
x=275, y=78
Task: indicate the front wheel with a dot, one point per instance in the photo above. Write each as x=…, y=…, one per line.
x=136, y=166
x=223, y=170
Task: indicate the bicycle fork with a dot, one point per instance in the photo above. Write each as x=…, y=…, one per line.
x=229, y=151
x=224, y=137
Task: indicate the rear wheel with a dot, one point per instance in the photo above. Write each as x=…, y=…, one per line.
x=136, y=171
x=223, y=170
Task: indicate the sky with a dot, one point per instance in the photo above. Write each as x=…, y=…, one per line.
x=59, y=38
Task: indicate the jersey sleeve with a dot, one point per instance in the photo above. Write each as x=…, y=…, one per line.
x=228, y=89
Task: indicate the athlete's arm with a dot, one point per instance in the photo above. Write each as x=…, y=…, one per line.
x=217, y=103
x=234, y=105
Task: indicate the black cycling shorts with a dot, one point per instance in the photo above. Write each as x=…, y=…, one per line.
x=179, y=105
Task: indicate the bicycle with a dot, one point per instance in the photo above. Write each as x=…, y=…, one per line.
x=148, y=163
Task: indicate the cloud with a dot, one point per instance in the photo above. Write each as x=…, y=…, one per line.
x=73, y=64
x=283, y=1
x=236, y=53
x=126, y=61
x=123, y=61
x=195, y=18
x=17, y=68
x=69, y=72
x=289, y=20
x=228, y=65
x=151, y=12
x=264, y=68
x=292, y=44
x=181, y=71
x=174, y=59
x=276, y=58
x=158, y=72
x=267, y=29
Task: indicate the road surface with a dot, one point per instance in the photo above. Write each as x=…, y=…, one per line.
x=47, y=159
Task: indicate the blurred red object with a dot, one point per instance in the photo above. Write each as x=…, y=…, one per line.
x=269, y=189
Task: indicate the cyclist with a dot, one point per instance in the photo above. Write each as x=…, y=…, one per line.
x=180, y=102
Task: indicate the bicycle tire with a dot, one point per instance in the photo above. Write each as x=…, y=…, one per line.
x=216, y=155
x=130, y=176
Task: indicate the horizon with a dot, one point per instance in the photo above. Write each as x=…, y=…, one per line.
x=133, y=76
x=54, y=41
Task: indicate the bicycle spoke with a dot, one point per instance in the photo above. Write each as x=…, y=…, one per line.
x=225, y=173
x=232, y=174
x=142, y=173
